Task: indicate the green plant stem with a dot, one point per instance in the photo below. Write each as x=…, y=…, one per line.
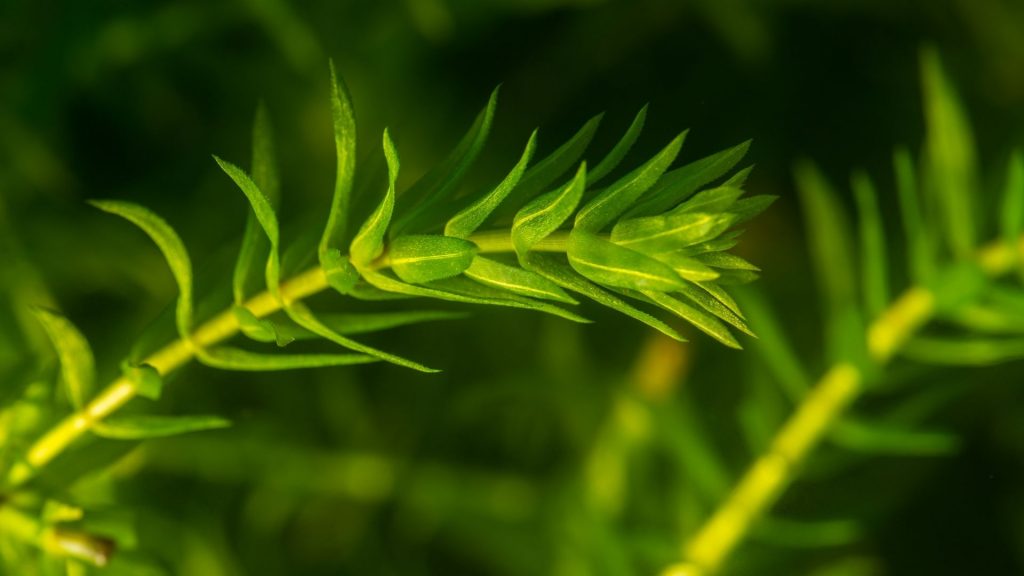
x=180, y=352
x=774, y=470
x=54, y=540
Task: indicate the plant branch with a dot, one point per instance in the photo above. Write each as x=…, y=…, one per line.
x=55, y=540
x=178, y=353
x=774, y=470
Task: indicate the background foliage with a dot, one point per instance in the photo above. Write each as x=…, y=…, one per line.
x=512, y=460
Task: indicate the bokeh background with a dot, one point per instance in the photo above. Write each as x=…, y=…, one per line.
x=544, y=447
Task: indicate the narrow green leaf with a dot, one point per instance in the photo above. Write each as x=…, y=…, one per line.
x=746, y=208
x=365, y=323
x=77, y=367
x=339, y=271
x=809, y=534
x=609, y=264
x=542, y=216
x=950, y=156
x=302, y=316
x=739, y=179
x=688, y=267
x=964, y=351
x=874, y=261
x=703, y=321
x=517, y=280
x=466, y=288
x=142, y=426
x=170, y=246
x=711, y=304
x=679, y=184
x=264, y=159
x=611, y=203
x=722, y=296
x=668, y=232
x=554, y=165
x=146, y=379
x=723, y=242
x=369, y=241
x=265, y=215
x=1012, y=217
x=882, y=438
x=345, y=154
x=264, y=170
x=621, y=148
x=473, y=216
x=371, y=234
x=441, y=182
x=422, y=258
x=773, y=347
x=828, y=237
x=919, y=240
x=713, y=200
x=258, y=329
x=229, y=358
x=726, y=261
x=561, y=273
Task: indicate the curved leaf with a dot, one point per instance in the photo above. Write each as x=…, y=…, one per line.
x=368, y=243
x=513, y=279
x=657, y=234
x=621, y=148
x=344, y=123
x=422, y=258
x=609, y=264
x=77, y=366
x=538, y=219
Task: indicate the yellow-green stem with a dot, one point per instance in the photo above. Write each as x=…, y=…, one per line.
x=772, y=472
x=54, y=540
x=216, y=330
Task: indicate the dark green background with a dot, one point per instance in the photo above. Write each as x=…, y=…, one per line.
x=129, y=100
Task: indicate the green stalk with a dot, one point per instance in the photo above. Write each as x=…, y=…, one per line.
x=54, y=540
x=178, y=353
x=773, y=471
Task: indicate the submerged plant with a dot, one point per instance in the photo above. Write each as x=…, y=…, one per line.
x=552, y=229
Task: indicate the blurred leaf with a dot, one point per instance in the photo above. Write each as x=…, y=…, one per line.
x=1012, y=220
x=920, y=241
x=472, y=217
x=806, y=533
x=422, y=258
x=264, y=169
x=442, y=181
x=612, y=265
x=77, y=367
x=679, y=184
x=874, y=262
x=146, y=379
x=772, y=346
x=516, y=280
x=831, y=253
x=949, y=153
x=554, y=269
x=883, y=438
x=621, y=148
x=617, y=198
x=544, y=214
x=658, y=234
x=142, y=426
x=964, y=351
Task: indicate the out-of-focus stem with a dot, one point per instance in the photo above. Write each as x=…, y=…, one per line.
x=774, y=470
